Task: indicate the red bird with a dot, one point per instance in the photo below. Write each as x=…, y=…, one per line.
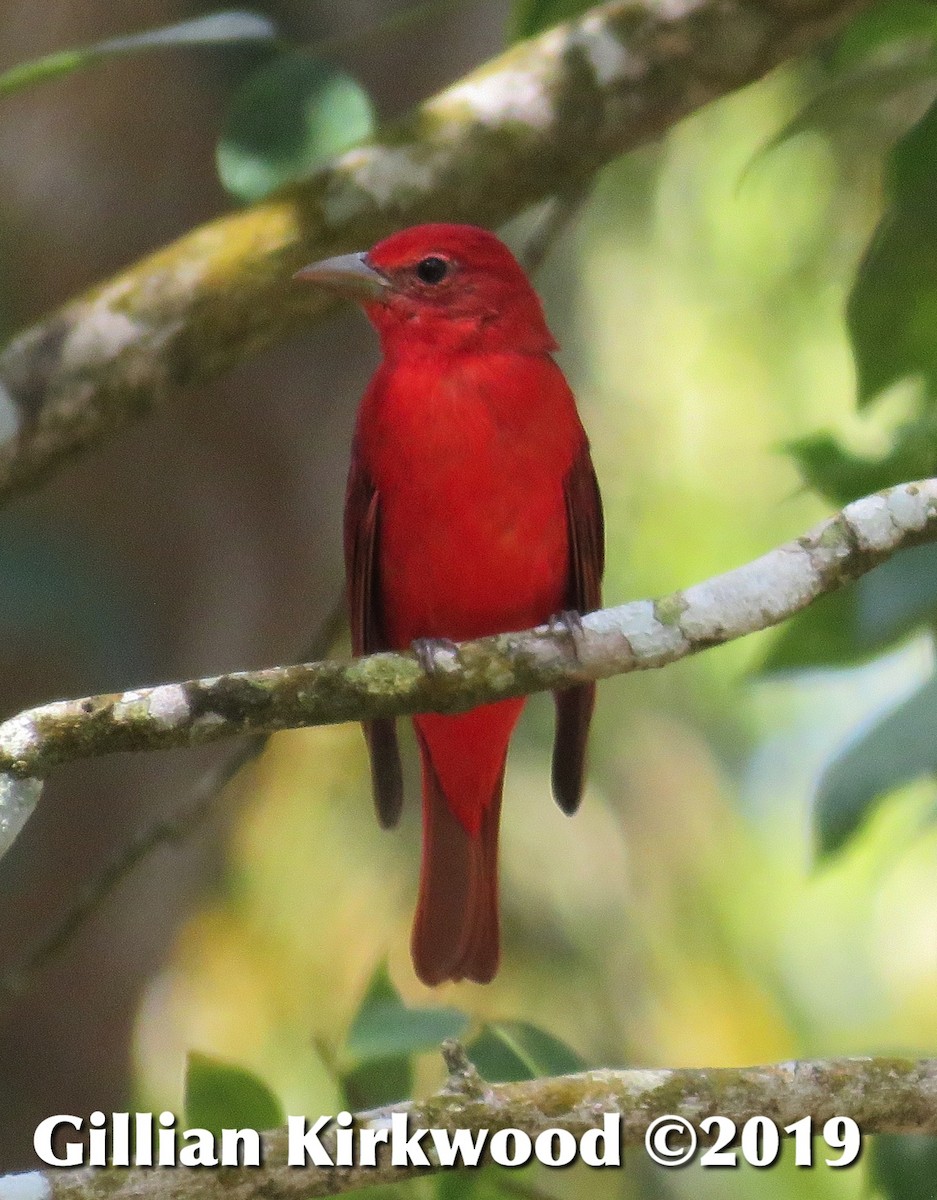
x=472, y=509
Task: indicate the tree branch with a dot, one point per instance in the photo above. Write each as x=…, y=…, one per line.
x=631, y=637
x=882, y=1095
x=537, y=121
x=198, y=805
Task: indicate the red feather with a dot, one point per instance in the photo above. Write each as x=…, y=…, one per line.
x=472, y=509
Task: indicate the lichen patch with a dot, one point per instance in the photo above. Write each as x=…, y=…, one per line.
x=169, y=705
x=500, y=97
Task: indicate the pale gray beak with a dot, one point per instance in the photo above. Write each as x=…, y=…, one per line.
x=349, y=274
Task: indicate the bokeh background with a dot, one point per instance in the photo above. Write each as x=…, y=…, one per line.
x=680, y=918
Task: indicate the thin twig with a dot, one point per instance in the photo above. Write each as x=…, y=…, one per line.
x=558, y=214
x=192, y=813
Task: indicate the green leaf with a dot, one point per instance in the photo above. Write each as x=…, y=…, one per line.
x=217, y=29
x=457, y=1185
x=892, y=310
x=288, y=117
x=847, y=100
x=903, y=1167
x=533, y=16
x=912, y=161
x=882, y=26
x=509, y=1051
x=377, y=1082
x=897, y=597
x=219, y=1095
x=823, y=635
x=842, y=476
x=384, y=1025
x=895, y=749
x=859, y=621
x=383, y=1036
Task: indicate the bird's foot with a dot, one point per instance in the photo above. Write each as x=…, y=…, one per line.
x=435, y=655
x=569, y=621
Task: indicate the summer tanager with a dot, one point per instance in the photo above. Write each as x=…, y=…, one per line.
x=472, y=509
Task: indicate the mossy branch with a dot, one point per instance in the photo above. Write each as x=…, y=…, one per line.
x=882, y=1095
x=535, y=122
x=631, y=637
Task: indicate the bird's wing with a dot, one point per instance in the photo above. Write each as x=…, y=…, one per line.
x=362, y=531
x=586, y=533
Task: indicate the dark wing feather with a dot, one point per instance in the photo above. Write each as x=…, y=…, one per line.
x=362, y=530
x=574, y=705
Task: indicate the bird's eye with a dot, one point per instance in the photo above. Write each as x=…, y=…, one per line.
x=432, y=269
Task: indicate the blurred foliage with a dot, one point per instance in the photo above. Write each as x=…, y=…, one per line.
x=675, y=920
x=382, y=1039
x=288, y=117
x=508, y=1051
x=219, y=29
x=530, y=17
x=904, y=1168
x=678, y=919
x=223, y=1096
x=893, y=304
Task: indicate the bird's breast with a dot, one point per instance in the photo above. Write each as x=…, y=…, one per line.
x=470, y=464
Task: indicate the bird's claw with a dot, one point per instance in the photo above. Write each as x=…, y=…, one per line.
x=569, y=621
x=428, y=650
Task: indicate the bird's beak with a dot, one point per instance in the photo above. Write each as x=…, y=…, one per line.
x=348, y=274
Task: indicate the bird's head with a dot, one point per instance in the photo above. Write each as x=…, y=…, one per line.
x=440, y=288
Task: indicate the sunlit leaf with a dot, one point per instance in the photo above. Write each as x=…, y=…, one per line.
x=895, y=749
x=213, y=30
x=903, y=1167
x=533, y=16
x=219, y=1095
x=288, y=117
x=509, y=1051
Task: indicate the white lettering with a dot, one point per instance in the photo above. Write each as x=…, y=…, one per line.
x=303, y=1146
x=344, y=1141
x=609, y=1136
x=42, y=1142
x=120, y=1139
x=406, y=1151
x=234, y=1141
x=166, y=1140
x=498, y=1147
x=198, y=1150
x=368, y=1140
x=458, y=1145
x=143, y=1142
x=97, y=1141
x=565, y=1147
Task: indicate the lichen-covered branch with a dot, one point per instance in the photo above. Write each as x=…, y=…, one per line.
x=882, y=1095
x=631, y=637
x=538, y=121
x=199, y=803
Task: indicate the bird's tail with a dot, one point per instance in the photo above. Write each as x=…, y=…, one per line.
x=456, y=928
